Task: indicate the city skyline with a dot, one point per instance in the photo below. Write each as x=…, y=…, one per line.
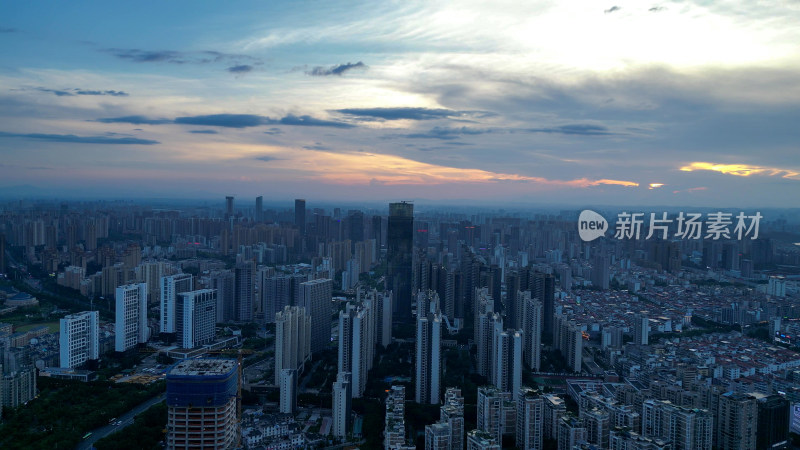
x=621, y=103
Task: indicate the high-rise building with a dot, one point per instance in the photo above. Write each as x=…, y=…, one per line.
x=79, y=338
x=543, y=287
x=17, y=387
x=507, y=364
x=222, y=281
x=292, y=340
x=437, y=436
x=244, y=291
x=530, y=419
x=532, y=329
x=481, y=440
x=554, y=410
x=201, y=404
x=399, y=253
x=486, y=321
x=259, y=209
x=3, y=253
x=570, y=432
x=452, y=413
x=278, y=291
x=737, y=419
x=357, y=343
x=773, y=421
x=196, y=315
x=686, y=428
x=624, y=438
x=600, y=273
x=597, y=423
x=288, y=387
x=428, y=349
x=300, y=215
x=171, y=286
x=568, y=338
x=383, y=317
x=342, y=401
x=228, y=206
x=130, y=327
x=315, y=297
x=491, y=403
x=394, y=426
x=641, y=329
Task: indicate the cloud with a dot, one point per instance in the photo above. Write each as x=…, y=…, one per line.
x=408, y=113
x=71, y=138
x=612, y=9
x=316, y=146
x=111, y=93
x=241, y=68
x=177, y=57
x=339, y=69
x=274, y=131
x=135, y=120
x=742, y=170
x=266, y=158
x=74, y=91
x=443, y=133
x=657, y=9
x=312, y=122
x=204, y=132
x=575, y=129
x=225, y=120
x=8, y=30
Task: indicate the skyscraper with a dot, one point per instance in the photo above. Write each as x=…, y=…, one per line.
x=201, y=404
x=737, y=420
x=196, y=314
x=300, y=215
x=79, y=338
x=228, y=206
x=507, y=364
x=315, y=297
x=171, y=286
x=530, y=419
x=292, y=339
x=773, y=421
x=130, y=327
x=543, y=287
x=641, y=329
x=532, y=329
x=259, y=208
x=244, y=291
x=399, y=254
x=452, y=413
x=342, y=398
x=357, y=343
x=428, y=349
x=490, y=411
x=288, y=391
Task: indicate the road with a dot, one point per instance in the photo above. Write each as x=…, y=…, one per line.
x=125, y=419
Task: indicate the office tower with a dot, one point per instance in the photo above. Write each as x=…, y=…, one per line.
x=737, y=421
x=292, y=340
x=300, y=215
x=491, y=402
x=315, y=297
x=428, y=349
x=79, y=338
x=171, y=286
x=222, y=281
x=597, y=422
x=530, y=419
x=687, y=428
x=342, y=398
x=507, y=374
x=244, y=291
x=201, y=404
x=532, y=329
x=773, y=421
x=130, y=327
x=228, y=206
x=641, y=329
x=383, y=317
x=399, y=254
x=452, y=413
x=481, y=440
x=288, y=386
x=570, y=432
x=357, y=343
x=17, y=387
x=437, y=436
x=259, y=209
x=196, y=315
x=554, y=410
x=600, y=274
x=543, y=287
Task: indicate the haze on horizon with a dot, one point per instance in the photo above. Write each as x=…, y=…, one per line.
x=629, y=103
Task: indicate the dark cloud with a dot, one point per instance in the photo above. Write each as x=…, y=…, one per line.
x=656, y=9
x=225, y=120
x=178, y=57
x=8, y=30
x=612, y=9
x=340, y=69
x=135, y=120
x=444, y=133
x=72, y=92
x=316, y=146
x=312, y=122
x=71, y=138
x=274, y=131
x=241, y=68
x=204, y=132
x=575, y=129
x=266, y=158
x=409, y=113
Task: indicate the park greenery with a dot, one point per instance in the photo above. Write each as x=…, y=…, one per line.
x=146, y=432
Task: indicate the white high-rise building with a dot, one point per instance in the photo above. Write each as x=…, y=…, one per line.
x=491, y=402
x=429, y=349
x=130, y=326
x=532, y=328
x=342, y=398
x=641, y=329
x=79, y=338
x=357, y=343
x=292, y=340
x=484, y=330
x=452, y=413
x=171, y=286
x=437, y=436
x=507, y=364
x=288, y=391
x=383, y=316
x=196, y=314
x=530, y=419
x=315, y=297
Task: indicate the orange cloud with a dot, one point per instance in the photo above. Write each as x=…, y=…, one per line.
x=742, y=170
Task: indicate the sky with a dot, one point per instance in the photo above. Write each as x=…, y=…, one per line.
x=693, y=103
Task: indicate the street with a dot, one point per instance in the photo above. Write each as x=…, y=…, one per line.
x=124, y=420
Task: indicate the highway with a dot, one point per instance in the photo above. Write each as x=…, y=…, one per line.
x=123, y=420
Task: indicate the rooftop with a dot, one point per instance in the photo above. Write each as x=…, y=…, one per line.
x=202, y=367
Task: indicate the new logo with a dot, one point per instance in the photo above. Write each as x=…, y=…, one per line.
x=591, y=225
